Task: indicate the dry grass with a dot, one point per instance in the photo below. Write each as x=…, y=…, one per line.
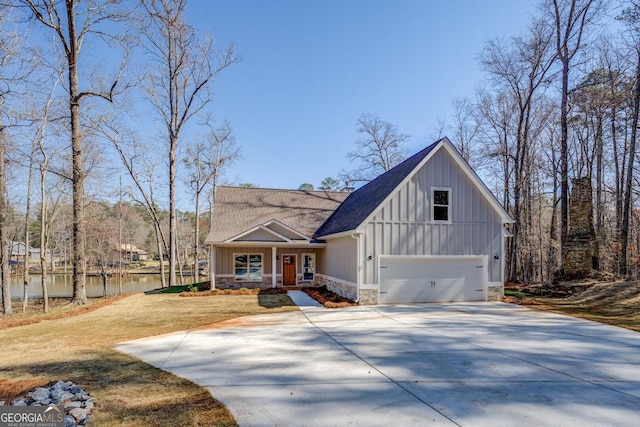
x=127, y=391
x=58, y=309
x=614, y=303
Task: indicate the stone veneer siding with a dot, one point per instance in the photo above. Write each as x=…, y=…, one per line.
x=339, y=288
x=230, y=283
x=495, y=293
x=368, y=296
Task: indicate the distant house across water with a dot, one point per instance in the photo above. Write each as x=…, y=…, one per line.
x=132, y=253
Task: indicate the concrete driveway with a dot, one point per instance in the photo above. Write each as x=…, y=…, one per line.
x=466, y=364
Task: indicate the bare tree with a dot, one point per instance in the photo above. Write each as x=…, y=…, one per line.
x=4, y=238
x=570, y=21
x=207, y=160
x=632, y=17
x=465, y=127
x=44, y=224
x=178, y=86
x=10, y=76
x=71, y=22
x=25, y=229
x=520, y=67
x=141, y=167
x=379, y=149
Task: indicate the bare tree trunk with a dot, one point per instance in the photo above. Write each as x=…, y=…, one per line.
x=181, y=80
x=27, y=243
x=196, y=241
x=4, y=242
x=173, y=226
x=570, y=19
x=79, y=262
x=564, y=158
x=599, y=187
x=626, y=213
x=553, y=223
x=120, y=241
x=61, y=18
x=163, y=279
x=43, y=234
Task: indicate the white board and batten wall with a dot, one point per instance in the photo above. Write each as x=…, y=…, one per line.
x=407, y=256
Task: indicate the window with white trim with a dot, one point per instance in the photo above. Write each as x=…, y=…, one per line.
x=247, y=267
x=441, y=198
x=308, y=266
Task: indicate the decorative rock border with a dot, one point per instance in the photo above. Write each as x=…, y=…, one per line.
x=76, y=402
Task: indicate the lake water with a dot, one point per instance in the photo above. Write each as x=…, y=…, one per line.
x=61, y=285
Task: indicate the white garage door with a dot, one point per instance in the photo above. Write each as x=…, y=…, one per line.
x=433, y=279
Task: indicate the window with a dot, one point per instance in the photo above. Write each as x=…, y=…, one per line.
x=441, y=199
x=309, y=266
x=248, y=267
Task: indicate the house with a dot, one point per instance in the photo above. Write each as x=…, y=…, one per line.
x=18, y=250
x=35, y=255
x=426, y=230
x=132, y=253
x=257, y=231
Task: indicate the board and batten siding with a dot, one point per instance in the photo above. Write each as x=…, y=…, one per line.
x=259, y=235
x=339, y=260
x=225, y=262
x=403, y=226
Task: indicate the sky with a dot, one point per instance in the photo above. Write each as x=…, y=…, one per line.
x=311, y=68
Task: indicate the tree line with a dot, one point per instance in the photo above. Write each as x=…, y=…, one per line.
x=560, y=100
x=70, y=74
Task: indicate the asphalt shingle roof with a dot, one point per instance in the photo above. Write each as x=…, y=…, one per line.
x=238, y=209
x=362, y=202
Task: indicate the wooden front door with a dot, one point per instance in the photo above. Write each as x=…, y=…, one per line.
x=289, y=270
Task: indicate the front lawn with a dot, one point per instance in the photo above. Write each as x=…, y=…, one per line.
x=126, y=390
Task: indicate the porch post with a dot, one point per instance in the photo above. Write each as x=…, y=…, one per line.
x=274, y=266
x=212, y=266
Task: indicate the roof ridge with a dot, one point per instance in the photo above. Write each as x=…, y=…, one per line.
x=362, y=202
x=279, y=189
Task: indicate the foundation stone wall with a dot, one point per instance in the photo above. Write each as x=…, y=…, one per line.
x=341, y=289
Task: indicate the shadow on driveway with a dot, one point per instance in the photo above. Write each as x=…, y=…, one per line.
x=475, y=364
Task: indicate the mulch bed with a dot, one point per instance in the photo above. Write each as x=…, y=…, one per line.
x=321, y=294
x=327, y=298
x=241, y=291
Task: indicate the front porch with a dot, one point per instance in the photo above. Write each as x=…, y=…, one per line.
x=287, y=266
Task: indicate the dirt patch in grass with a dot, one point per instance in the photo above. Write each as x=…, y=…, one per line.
x=327, y=298
x=126, y=390
x=613, y=303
